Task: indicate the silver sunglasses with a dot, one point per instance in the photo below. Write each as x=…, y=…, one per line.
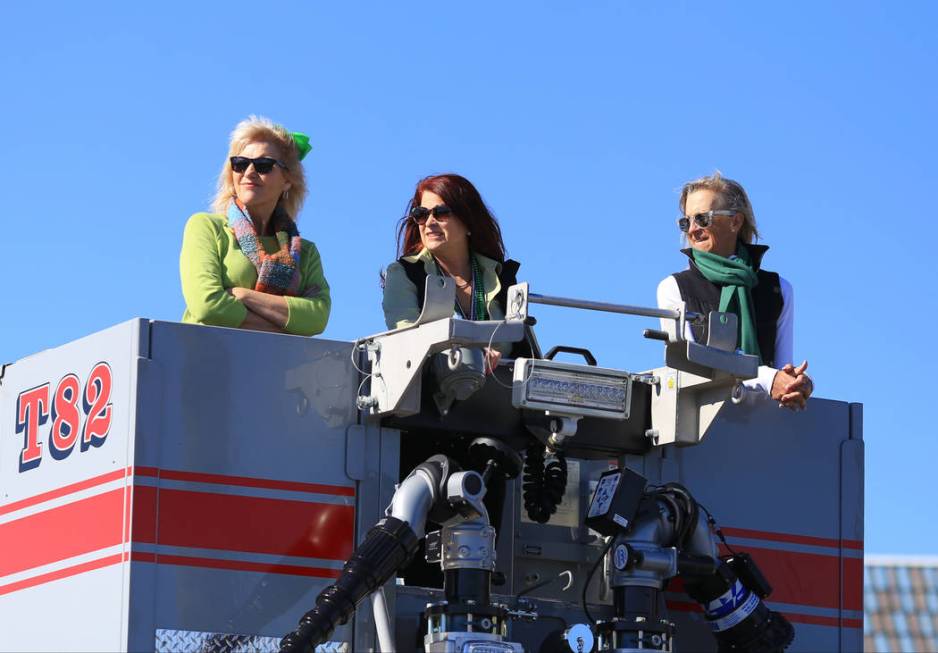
x=702, y=220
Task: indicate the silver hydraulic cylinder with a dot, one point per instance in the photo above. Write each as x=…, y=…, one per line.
x=413, y=500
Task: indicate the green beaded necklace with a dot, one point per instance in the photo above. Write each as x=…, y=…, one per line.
x=477, y=310
x=478, y=292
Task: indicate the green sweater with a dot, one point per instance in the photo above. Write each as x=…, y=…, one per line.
x=211, y=262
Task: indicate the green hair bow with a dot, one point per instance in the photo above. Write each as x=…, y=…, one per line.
x=301, y=141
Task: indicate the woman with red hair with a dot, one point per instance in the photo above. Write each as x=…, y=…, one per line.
x=449, y=231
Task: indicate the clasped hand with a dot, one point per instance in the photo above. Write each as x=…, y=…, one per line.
x=792, y=387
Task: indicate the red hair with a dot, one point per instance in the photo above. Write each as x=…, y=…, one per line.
x=461, y=196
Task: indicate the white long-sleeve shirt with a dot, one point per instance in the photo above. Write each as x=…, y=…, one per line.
x=669, y=296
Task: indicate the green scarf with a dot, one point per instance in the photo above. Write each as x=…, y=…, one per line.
x=737, y=278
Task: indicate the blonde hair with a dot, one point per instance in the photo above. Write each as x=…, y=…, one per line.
x=259, y=129
x=732, y=196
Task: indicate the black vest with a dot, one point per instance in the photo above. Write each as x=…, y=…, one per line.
x=508, y=276
x=702, y=296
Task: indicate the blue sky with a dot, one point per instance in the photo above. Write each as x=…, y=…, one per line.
x=578, y=122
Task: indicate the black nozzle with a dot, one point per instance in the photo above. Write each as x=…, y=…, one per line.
x=689, y=564
x=390, y=544
x=749, y=573
x=737, y=615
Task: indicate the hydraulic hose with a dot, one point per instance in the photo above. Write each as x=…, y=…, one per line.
x=543, y=485
x=389, y=546
x=382, y=621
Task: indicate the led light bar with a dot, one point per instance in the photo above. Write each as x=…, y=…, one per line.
x=570, y=389
x=488, y=647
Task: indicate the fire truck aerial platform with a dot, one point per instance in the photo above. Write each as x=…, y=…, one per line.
x=176, y=487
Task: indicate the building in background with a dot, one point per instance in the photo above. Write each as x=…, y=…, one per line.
x=900, y=604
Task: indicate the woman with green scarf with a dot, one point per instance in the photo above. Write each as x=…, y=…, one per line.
x=725, y=274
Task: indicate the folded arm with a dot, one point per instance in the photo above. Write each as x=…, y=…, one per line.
x=307, y=314
x=200, y=271
x=271, y=308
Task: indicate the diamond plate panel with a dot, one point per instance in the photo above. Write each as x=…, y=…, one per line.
x=193, y=641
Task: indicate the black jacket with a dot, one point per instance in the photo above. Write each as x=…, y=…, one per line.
x=703, y=296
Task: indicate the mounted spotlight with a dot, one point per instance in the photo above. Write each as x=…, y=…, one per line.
x=571, y=390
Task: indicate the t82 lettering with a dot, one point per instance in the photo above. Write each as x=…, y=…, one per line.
x=79, y=415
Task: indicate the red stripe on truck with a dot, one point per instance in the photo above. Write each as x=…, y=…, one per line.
x=234, y=565
x=185, y=518
x=143, y=515
x=64, y=490
x=817, y=620
x=247, y=481
x=808, y=579
x=74, y=570
x=63, y=532
x=792, y=538
x=208, y=520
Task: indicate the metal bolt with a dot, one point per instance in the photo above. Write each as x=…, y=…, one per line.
x=366, y=402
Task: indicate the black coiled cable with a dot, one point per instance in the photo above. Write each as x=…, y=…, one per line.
x=683, y=508
x=543, y=485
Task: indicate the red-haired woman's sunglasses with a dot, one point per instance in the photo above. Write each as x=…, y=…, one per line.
x=420, y=214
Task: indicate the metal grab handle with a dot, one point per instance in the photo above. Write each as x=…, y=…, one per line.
x=585, y=353
x=656, y=334
x=625, y=309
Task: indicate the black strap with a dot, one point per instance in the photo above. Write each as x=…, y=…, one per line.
x=506, y=278
x=703, y=296
x=769, y=302
x=418, y=276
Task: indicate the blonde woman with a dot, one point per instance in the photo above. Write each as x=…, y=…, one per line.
x=244, y=265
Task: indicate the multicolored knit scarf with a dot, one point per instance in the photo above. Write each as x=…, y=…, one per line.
x=277, y=273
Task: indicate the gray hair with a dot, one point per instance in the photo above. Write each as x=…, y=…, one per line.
x=732, y=196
